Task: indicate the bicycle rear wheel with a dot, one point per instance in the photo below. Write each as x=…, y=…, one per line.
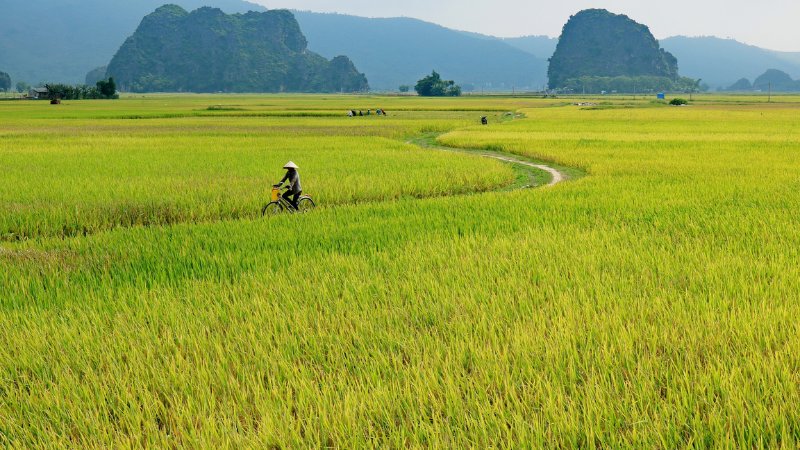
x=305, y=204
x=271, y=209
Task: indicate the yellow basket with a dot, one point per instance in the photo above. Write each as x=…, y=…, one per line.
x=276, y=194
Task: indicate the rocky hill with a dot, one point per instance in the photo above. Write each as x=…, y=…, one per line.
x=776, y=81
x=210, y=51
x=773, y=80
x=597, y=43
x=742, y=85
x=61, y=40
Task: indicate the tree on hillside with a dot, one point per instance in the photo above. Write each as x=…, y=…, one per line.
x=434, y=86
x=5, y=81
x=103, y=90
x=108, y=89
x=22, y=86
x=640, y=84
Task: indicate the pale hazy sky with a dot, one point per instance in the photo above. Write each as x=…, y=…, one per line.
x=766, y=23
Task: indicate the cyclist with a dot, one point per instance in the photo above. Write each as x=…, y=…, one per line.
x=292, y=195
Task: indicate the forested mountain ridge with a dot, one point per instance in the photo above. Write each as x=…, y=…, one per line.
x=597, y=43
x=207, y=50
x=68, y=38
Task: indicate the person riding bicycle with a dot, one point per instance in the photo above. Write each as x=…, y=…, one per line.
x=292, y=195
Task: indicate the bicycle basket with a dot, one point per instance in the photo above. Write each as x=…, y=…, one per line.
x=276, y=194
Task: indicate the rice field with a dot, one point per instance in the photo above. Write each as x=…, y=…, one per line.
x=67, y=177
x=651, y=303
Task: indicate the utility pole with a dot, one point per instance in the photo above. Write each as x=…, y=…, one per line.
x=769, y=98
x=695, y=88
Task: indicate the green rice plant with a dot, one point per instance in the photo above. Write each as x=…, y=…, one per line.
x=100, y=174
x=649, y=304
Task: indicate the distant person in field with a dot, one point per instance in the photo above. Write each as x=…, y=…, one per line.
x=292, y=195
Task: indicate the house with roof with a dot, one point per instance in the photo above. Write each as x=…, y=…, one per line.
x=39, y=93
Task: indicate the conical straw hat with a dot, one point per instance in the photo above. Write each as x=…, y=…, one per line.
x=290, y=165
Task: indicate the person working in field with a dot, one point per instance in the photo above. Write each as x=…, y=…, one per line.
x=293, y=177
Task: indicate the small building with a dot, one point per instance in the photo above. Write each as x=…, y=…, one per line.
x=661, y=96
x=39, y=93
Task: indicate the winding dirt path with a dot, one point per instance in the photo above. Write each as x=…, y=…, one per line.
x=558, y=177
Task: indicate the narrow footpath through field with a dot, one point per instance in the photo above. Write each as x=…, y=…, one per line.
x=557, y=177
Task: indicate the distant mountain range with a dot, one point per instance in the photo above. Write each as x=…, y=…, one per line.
x=540, y=46
x=392, y=52
x=720, y=62
x=62, y=40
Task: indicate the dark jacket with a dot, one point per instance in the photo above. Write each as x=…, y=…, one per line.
x=294, y=181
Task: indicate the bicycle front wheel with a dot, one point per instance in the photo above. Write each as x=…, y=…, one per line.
x=271, y=209
x=305, y=204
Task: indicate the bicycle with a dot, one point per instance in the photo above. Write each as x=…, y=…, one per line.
x=279, y=205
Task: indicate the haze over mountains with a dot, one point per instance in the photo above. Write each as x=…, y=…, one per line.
x=81, y=35
x=61, y=40
x=399, y=51
x=68, y=38
x=720, y=62
x=540, y=46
